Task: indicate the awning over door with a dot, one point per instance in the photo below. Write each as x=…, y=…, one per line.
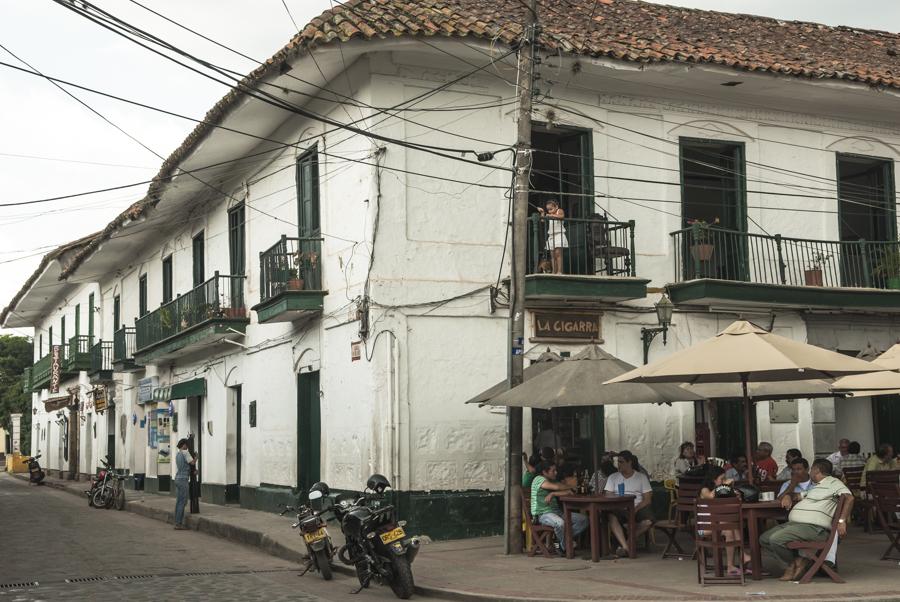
x=189, y=388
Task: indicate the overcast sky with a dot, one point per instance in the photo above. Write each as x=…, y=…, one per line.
x=50, y=145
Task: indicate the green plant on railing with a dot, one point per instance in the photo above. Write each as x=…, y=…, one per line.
x=701, y=230
x=888, y=267
x=819, y=260
x=165, y=318
x=305, y=263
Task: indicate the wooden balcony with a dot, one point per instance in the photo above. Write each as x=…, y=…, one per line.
x=717, y=267
x=290, y=280
x=596, y=262
x=197, y=322
x=101, y=361
x=124, y=343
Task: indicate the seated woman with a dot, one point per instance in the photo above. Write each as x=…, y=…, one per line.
x=716, y=482
x=686, y=460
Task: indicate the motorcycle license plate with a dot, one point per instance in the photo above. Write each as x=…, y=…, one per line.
x=393, y=535
x=316, y=536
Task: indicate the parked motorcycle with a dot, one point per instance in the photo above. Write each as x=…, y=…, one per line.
x=311, y=523
x=35, y=472
x=377, y=545
x=107, y=488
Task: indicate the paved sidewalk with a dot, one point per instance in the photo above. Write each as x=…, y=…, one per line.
x=476, y=569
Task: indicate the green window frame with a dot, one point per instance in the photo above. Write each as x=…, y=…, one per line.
x=77, y=320
x=40, y=346
x=91, y=316
x=62, y=329
x=117, y=313
x=199, y=259
x=308, y=206
x=50, y=337
x=167, y=292
x=236, y=238
x=142, y=295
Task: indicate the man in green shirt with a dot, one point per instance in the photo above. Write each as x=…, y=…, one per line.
x=544, y=507
x=883, y=459
x=810, y=519
x=530, y=471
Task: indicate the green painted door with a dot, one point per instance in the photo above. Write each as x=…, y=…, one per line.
x=730, y=428
x=886, y=411
x=309, y=430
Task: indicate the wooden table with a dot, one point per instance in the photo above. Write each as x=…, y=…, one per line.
x=595, y=505
x=753, y=513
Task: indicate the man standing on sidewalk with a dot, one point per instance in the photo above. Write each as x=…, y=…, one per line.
x=183, y=462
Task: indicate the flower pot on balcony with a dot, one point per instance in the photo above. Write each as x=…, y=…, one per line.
x=295, y=284
x=702, y=251
x=235, y=313
x=813, y=277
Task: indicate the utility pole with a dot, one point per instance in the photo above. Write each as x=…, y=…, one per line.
x=517, y=282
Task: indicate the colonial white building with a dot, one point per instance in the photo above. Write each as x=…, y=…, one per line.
x=311, y=302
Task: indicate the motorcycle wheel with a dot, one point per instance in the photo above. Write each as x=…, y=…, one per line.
x=402, y=579
x=90, y=497
x=99, y=499
x=120, y=498
x=323, y=563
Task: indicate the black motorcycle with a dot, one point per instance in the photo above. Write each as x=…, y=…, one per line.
x=311, y=523
x=107, y=488
x=376, y=543
x=35, y=472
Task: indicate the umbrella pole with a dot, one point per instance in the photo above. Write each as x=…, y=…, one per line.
x=748, y=447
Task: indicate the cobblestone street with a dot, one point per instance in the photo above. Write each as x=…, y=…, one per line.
x=74, y=552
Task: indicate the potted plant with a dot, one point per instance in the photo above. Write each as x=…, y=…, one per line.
x=813, y=275
x=888, y=268
x=304, y=263
x=702, y=247
x=165, y=318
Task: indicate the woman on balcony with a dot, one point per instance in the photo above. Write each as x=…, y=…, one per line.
x=556, y=237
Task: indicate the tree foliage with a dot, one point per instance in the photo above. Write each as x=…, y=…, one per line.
x=15, y=356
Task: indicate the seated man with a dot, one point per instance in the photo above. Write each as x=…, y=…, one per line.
x=799, y=483
x=544, y=507
x=882, y=459
x=809, y=520
x=630, y=480
x=789, y=457
x=738, y=469
x=768, y=468
x=854, y=459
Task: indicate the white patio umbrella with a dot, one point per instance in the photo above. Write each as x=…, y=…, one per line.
x=883, y=382
x=743, y=353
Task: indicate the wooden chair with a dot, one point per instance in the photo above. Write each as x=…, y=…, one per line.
x=820, y=548
x=541, y=535
x=890, y=477
x=671, y=486
x=714, y=518
x=864, y=507
x=687, y=493
x=887, y=507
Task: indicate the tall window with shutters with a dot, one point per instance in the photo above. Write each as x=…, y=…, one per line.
x=167, y=279
x=308, y=193
x=236, y=252
x=142, y=295
x=199, y=259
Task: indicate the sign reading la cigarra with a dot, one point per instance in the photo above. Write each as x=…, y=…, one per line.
x=567, y=326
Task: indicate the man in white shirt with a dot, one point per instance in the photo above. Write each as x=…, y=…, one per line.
x=630, y=481
x=840, y=454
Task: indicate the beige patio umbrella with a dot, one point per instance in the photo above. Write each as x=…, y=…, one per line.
x=883, y=382
x=545, y=361
x=578, y=381
x=743, y=353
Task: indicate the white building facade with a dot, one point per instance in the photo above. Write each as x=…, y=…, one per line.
x=308, y=302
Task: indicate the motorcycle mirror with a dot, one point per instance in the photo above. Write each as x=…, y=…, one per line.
x=315, y=495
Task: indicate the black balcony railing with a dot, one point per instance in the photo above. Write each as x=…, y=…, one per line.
x=219, y=298
x=709, y=252
x=291, y=264
x=593, y=246
x=102, y=357
x=123, y=344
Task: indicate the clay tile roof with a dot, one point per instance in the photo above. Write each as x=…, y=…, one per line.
x=627, y=30
x=632, y=31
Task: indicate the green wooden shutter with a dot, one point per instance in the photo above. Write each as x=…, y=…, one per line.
x=62, y=329
x=91, y=316
x=77, y=320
